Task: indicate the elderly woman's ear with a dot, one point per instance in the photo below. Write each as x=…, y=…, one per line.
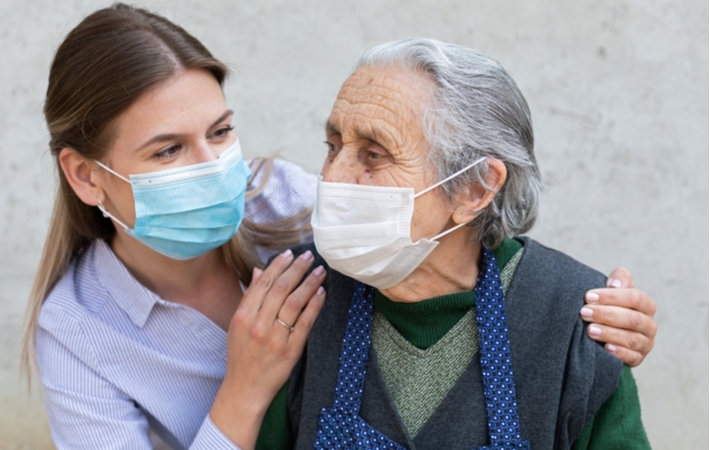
x=474, y=199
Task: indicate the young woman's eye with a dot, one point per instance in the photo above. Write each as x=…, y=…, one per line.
x=167, y=152
x=222, y=132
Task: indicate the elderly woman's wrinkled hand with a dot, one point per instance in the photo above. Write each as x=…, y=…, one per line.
x=622, y=317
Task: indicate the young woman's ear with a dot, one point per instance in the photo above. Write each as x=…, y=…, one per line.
x=81, y=176
x=477, y=197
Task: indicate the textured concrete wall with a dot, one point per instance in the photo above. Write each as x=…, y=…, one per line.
x=619, y=95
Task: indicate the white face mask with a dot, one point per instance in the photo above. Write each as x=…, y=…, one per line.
x=363, y=231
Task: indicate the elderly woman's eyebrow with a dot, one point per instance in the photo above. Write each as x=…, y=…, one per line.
x=377, y=135
x=368, y=134
x=331, y=129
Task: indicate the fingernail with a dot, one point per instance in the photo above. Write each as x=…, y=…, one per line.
x=610, y=348
x=307, y=255
x=319, y=271
x=320, y=291
x=287, y=254
x=615, y=283
x=595, y=330
x=586, y=312
x=592, y=297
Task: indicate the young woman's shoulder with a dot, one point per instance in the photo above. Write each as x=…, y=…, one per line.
x=64, y=298
x=94, y=298
x=69, y=305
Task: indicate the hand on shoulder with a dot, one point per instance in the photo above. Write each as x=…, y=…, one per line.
x=622, y=317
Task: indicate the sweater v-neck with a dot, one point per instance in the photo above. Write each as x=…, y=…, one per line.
x=424, y=323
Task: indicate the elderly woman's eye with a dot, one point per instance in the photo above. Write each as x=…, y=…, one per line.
x=378, y=155
x=331, y=146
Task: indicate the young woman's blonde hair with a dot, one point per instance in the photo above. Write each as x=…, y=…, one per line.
x=107, y=62
x=241, y=251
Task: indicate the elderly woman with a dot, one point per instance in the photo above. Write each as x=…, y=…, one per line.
x=444, y=329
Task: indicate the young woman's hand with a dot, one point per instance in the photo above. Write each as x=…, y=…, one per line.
x=622, y=317
x=266, y=337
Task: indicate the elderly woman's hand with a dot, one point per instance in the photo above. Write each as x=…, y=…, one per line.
x=265, y=339
x=622, y=317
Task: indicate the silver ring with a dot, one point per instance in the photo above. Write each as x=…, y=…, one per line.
x=287, y=326
x=645, y=341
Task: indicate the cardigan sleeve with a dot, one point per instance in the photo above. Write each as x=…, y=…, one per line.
x=275, y=432
x=617, y=424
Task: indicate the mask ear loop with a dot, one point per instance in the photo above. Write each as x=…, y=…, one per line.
x=113, y=172
x=440, y=235
x=101, y=206
x=434, y=186
x=108, y=215
x=452, y=229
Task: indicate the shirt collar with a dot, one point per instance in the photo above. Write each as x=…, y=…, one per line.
x=131, y=296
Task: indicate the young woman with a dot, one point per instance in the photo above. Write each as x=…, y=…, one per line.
x=140, y=317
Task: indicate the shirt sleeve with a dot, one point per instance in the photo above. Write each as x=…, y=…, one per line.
x=210, y=437
x=88, y=412
x=617, y=424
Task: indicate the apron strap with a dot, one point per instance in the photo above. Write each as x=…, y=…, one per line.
x=496, y=361
x=355, y=351
x=496, y=367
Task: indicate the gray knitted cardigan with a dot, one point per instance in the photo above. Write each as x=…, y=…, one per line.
x=561, y=376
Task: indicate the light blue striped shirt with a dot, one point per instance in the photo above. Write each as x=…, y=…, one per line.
x=117, y=361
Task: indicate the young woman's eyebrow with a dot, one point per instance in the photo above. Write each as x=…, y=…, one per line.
x=226, y=114
x=172, y=136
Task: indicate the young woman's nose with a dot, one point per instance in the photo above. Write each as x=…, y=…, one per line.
x=206, y=152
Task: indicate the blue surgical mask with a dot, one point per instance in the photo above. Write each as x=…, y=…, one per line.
x=188, y=211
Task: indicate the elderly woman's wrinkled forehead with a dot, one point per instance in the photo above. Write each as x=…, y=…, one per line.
x=395, y=82
x=382, y=104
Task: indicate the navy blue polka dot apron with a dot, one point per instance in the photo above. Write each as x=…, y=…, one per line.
x=341, y=427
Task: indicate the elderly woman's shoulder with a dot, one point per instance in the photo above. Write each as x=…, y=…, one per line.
x=556, y=281
x=310, y=247
x=556, y=267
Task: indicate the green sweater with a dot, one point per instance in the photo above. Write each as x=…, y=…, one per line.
x=424, y=324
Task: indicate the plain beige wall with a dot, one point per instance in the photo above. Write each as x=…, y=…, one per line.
x=619, y=95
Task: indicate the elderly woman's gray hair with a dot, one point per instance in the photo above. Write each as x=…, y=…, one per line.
x=477, y=111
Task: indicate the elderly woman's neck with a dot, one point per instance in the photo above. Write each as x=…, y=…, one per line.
x=451, y=268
